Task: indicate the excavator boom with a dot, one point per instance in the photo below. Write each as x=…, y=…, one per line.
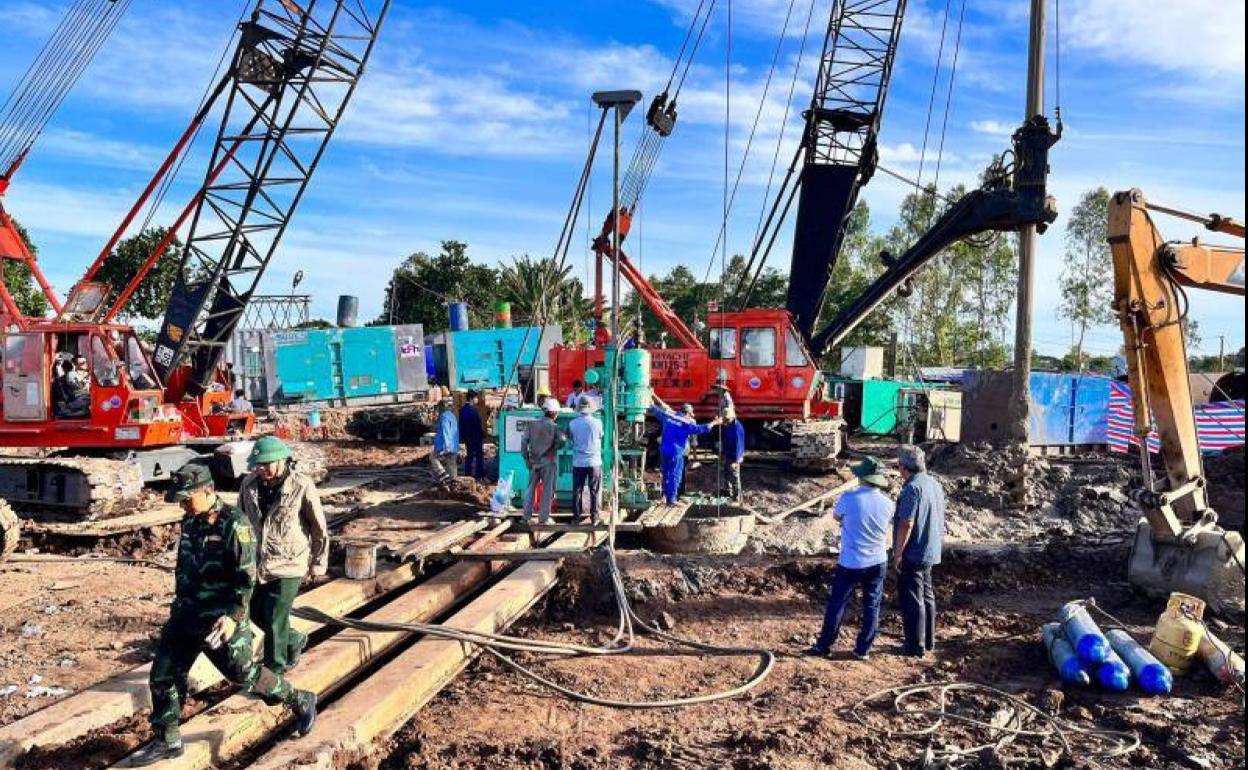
x=1180, y=547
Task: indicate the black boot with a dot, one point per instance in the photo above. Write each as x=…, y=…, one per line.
x=304, y=707
x=164, y=747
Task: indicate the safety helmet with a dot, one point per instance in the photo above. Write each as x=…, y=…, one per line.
x=267, y=449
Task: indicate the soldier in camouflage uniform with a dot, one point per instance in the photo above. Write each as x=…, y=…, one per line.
x=216, y=571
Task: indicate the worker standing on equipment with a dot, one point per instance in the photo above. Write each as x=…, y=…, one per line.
x=445, y=455
x=674, y=443
x=284, y=510
x=574, y=398
x=920, y=530
x=865, y=514
x=538, y=446
x=587, y=433
x=472, y=431
x=213, y=581
x=732, y=448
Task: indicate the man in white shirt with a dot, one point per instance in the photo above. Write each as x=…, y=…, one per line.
x=866, y=516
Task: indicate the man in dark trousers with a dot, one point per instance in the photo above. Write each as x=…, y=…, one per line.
x=917, y=540
x=732, y=438
x=865, y=514
x=472, y=433
x=284, y=510
x=213, y=581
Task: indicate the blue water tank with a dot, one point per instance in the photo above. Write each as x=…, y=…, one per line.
x=458, y=315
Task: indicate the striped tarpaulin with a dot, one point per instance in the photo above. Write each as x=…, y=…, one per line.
x=1220, y=424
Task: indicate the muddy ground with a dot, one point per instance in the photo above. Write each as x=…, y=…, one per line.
x=800, y=716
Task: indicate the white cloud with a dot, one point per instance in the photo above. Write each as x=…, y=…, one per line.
x=1201, y=38
x=994, y=128
x=98, y=150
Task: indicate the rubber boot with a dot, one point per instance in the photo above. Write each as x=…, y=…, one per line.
x=304, y=707
x=162, y=747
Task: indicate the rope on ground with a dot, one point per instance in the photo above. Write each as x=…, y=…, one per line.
x=1022, y=721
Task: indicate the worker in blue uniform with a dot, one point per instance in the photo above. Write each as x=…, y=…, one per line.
x=472, y=433
x=677, y=428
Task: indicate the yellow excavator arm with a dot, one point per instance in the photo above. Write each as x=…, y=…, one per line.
x=1181, y=547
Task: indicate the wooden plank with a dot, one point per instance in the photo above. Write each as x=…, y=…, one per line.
x=443, y=540
x=241, y=721
x=123, y=695
x=819, y=499
x=664, y=515
x=156, y=517
x=376, y=708
x=624, y=526
x=530, y=554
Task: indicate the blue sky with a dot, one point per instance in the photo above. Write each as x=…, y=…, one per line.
x=473, y=120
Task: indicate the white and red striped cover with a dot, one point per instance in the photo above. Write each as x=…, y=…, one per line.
x=1219, y=424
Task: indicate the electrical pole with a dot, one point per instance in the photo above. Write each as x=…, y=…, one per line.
x=1027, y=242
x=1221, y=352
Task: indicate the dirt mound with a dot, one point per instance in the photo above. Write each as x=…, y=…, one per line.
x=463, y=489
x=1225, y=473
x=405, y=423
x=1010, y=495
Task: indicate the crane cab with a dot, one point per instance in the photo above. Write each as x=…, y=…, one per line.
x=81, y=385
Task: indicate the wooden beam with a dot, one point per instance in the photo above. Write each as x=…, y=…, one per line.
x=816, y=500
x=441, y=541
x=241, y=721
x=125, y=694
x=624, y=526
x=377, y=707
x=529, y=554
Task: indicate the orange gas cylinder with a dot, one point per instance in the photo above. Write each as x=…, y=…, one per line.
x=1179, y=631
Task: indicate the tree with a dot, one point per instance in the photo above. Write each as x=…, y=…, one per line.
x=20, y=282
x=542, y=292
x=1191, y=333
x=422, y=285
x=857, y=265
x=151, y=298
x=1087, y=278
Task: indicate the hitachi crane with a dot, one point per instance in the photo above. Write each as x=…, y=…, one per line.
x=1179, y=545
x=291, y=76
x=767, y=358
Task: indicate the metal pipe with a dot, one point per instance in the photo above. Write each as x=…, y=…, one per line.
x=1027, y=240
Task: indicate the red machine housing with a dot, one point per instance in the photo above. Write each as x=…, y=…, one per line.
x=755, y=353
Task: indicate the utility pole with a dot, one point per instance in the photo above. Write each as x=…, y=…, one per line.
x=620, y=103
x=1221, y=352
x=1027, y=241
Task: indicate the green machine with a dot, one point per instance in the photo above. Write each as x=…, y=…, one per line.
x=623, y=413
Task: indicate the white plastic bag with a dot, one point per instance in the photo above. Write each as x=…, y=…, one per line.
x=501, y=498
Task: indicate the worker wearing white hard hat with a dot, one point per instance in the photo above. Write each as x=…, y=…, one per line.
x=539, y=446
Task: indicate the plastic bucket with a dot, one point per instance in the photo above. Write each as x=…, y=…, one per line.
x=314, y=418
x=502, y=315
x=361, y=562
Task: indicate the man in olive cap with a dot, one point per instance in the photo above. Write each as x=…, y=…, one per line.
x=213, y=581
x=292, y=541
x=865, y=514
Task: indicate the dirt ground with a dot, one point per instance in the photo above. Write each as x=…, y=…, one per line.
x=800, y=716
x=67, y=626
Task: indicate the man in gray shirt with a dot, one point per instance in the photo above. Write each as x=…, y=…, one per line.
x=917, y=539
x=539, y=446
x=586, y=432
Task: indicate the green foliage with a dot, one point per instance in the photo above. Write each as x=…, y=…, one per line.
x=21, y=284
x=958, y=309
x=422, y=285
x=315, y=323
x=542, y=293
x=1191, y=333
x=151, y=298
x=1077, y=360
x=691, y=298
x=1087, y=277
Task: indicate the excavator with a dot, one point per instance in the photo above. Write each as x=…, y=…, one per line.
x=1179, y=545
x=767, y=359
x=145, y=410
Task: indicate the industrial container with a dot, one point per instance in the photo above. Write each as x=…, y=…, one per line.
x=488, y=358
x=348, y=311
x=884, y=407
x=366, y=365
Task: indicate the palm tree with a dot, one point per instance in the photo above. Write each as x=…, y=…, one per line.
x=544, y=292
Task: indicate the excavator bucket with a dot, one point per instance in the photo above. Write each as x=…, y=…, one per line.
x=1211, y=567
